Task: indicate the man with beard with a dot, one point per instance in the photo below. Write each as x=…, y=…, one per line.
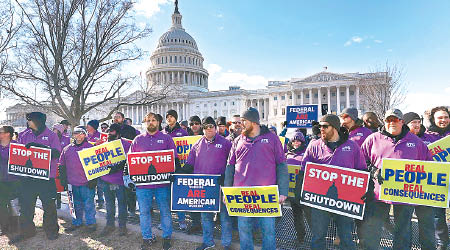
x=392, y=141
x=333, y=148
x=127, y=132
x=113, y=188
x=173, y=127
x=235, y=128
x=439, y=129
x=257, y=159
x=195, y=125
x=39, y=135
x=350, y=121
x=72, y=172
x=153, y=140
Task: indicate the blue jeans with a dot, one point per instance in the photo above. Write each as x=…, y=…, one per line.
x=319, y=228
x=375, y=214
x=100, y=194
x=425, y=217
x=83, y=202
x=208, y=227
x=145, y=198
x=441, y=227
x=110, y=198
x=267, y=226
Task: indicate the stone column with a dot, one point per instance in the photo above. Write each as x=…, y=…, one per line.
x=338, y=100
x=347, y=93
x=302, y=101
x=310, y=96
x=319, y=101
x=329, y=99
x=294, y=97
x=357, y=97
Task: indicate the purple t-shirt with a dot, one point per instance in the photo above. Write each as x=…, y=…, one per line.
x=295, y=158
x=347, y=155
x=158, y=141
x=4, y=154
x=256, y=160
x=378, y=146
x=359, y=134
x=47, y=138
x=74, y=169
x=117, y=178
x=93, y=137
x=209, y=157
x=177, y=132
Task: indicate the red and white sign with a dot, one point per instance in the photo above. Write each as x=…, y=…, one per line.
x=335, y=189
x=151, y=167
x=103, y=137
x=33, y=162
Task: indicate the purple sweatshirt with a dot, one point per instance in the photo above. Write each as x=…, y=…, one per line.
x=256, y=160
x=47, y=138
x=347, y=155
x=295, y=157
x=117, y=178
x=359, y=134
x=74, y=169
x=378, y=146
x=209, y=157
x=146, y=142
x=93, y=137
x=4, y=154
x=177, y=131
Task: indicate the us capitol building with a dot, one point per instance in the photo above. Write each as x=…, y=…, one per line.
x=177, y=61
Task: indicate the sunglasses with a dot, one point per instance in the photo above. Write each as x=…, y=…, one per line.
x=207, y=126
x=323, y=126
x=236, y=122
x=391, y=119
x=104, y=127
x=194, y=123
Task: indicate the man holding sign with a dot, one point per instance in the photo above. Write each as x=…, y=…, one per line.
x=334, y=148
x=209, y=156
x=396, y=142
x=38, y=135
x=257, y=159
x=71, y=172
x=154, y=140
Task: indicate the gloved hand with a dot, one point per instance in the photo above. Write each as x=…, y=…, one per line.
x=171, y=178
x=114, y=168
x=92, y=184
x=63, y=176
x=221, y=179
x=129, y=183
x=34, y=144
x=369, y=195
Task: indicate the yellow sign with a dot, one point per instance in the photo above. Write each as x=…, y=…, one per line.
x=283, y=140
x=258, y=201
x=184, y=145
x=293, y=177
x=441, y=149
x=96, y=160
x=415, y=182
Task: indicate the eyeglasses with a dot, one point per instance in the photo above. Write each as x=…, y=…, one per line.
x=104, y=127
x=323, y=126
x=194, y=123
x=207, y=126
x=391, y=119
x=236, y=122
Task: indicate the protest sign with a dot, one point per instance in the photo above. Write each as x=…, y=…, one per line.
x=301, y=116
x=70, y=201
x=415, y=182
x=96, y=160
x=335, y=189
x=257, y=201
x=441, y=149
x=151, y=167
x=282, y=140
x=103, y=137
x=33, y=162
x=184, y=145
x=293, y=171
x=196, y=193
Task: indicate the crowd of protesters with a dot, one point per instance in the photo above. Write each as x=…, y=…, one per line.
x=245, y=153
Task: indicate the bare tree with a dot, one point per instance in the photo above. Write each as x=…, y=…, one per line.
x=383, y=89
x=71, y=53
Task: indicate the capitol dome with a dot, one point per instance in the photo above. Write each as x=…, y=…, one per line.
x=177, y=60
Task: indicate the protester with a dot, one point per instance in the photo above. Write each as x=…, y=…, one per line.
x=209, y=156
x=185, y=125
x=92, y=129
x=392, y=141
x=296, y=150
x=72, y=172
x=173, y=127
x=371, y=121
x=222, y=126
x=113, y=187
x=38, y=135
x=350, y=121
x=64, y=140
x=257, y=159
x=235, y=128
x=334, y=148
x=66, y=125
x=273, y=129
x=129, y=122
x=104, y=127
x=9, y=184
x=440, y=128
x=153, y=140
x=425, y=214
x=195, y=125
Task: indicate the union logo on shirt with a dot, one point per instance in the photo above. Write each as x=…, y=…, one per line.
x=359, y=134
x=346, y=149
x=160, y=141
x=179, y=133
x=218, y=145
x=45, y=138
x=410, y=144
x=264, y=140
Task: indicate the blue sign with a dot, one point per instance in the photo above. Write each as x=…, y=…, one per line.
x=301, y=116
x=195, y=193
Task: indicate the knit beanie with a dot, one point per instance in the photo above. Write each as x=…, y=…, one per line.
x=94, y=124
x=410, y=116
x=251, y=114
x=333, y=120
x=352, y=112
x=172, y=113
